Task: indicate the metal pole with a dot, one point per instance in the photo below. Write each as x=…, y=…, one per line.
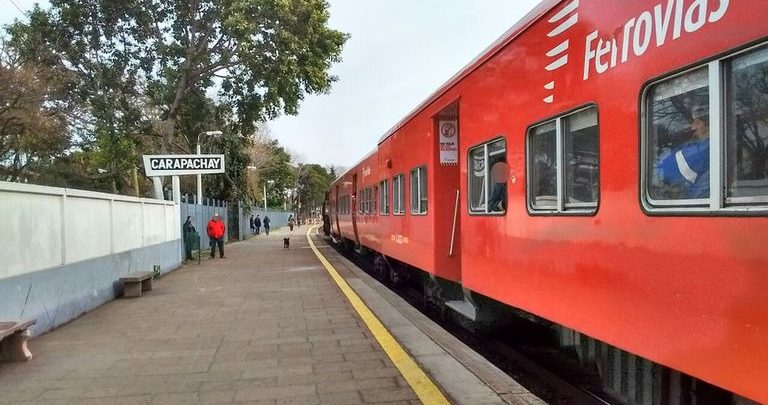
x=455, y=219
x=265, y=197
x=199, y=176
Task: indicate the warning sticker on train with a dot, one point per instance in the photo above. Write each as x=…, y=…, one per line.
x=176, y=165
x=449, y=142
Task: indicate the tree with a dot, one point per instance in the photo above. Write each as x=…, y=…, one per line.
x=312, y=182
x=263, y=56
x=33, y=114
x=279, y=171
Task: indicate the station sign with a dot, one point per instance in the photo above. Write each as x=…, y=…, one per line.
x=179, y=165
x=449, y=142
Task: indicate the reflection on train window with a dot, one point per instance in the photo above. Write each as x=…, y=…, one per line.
x=374, y=200
x=419, y=190
x=543, y=162
x=705, y=142
x=366, y=200
x=679, y=138
x=344, y=205
x=747, y=127
x=581, y=159
x=398, y=194
x=384, y=197
x=564, y=164
x=488, y=173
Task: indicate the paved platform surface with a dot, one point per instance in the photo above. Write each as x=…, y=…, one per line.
x=262, y=326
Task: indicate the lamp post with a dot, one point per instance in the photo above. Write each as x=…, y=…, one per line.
x=199, y=176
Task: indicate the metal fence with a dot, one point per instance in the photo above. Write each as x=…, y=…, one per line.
x=277, y=219
x=201, y=214
x=236, y=217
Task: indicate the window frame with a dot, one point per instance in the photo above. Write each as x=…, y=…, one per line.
x=718, y=203
x=384, y=206
x=487, y=169
x=563, y=208
x=374, y=199
x=398, y=197
x=417, y=170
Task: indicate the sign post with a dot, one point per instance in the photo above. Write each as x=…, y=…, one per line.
x=182, y=165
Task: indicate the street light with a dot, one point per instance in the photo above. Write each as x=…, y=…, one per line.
x=199, y=176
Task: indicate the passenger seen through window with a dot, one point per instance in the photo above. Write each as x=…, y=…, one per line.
x=679, y=137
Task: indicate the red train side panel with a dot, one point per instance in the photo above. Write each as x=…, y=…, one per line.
x=686, y=291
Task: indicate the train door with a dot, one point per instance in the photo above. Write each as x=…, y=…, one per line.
x=336, y=211
x=447, y=209
x=355, y=206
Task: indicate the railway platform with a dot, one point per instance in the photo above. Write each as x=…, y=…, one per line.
x=265, y=325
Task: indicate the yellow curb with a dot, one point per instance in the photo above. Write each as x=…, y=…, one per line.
x=421, y=384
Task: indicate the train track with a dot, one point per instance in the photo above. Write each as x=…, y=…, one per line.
x=543, y=381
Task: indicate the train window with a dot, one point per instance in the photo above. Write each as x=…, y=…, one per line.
x=419, y=190
x=487, y=178
x=374, y=200
x=563, y=164
x=360, y=201
x=705, y=135
x=747, y=128
x=398, y=194
x=581, y=159
x=678, y=137
x=544, y=162
x=369, y=201
x=384, y=197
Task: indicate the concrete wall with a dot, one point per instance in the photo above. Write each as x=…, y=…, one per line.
x=65, y=249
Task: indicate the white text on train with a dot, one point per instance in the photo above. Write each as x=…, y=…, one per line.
x=658, y=23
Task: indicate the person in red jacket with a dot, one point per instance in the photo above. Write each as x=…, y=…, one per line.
x=216, y=231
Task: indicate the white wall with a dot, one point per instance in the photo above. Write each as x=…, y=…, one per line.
x=44, y=227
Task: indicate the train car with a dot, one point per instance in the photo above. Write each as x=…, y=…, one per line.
x=612, y=179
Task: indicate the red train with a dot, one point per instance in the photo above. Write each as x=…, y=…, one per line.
x=603, y=166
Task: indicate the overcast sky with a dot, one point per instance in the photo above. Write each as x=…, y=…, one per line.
x=399, y=52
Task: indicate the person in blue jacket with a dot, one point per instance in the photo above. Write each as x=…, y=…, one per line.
x=688, y=165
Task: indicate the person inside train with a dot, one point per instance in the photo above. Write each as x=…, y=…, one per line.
x=688, y=165
x=498, y=199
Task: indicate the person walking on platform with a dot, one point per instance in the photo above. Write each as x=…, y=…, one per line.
x=257, y=224
x=266, y=224
x=253, y=227
x=216, y=231
x=290, y=222
x=189, y=231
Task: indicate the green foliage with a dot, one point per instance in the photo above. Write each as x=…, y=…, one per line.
x=264, y=55
x=144, y=70
x=312, y=183
x=278, y=175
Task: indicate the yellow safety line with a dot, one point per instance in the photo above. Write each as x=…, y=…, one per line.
x=421, y=384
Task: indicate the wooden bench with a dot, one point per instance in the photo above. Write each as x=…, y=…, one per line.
x=136, y=283
x=13, y=341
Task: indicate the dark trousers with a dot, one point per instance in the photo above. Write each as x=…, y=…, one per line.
x=266, y=229
x=220, y=243
x=188, y=248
